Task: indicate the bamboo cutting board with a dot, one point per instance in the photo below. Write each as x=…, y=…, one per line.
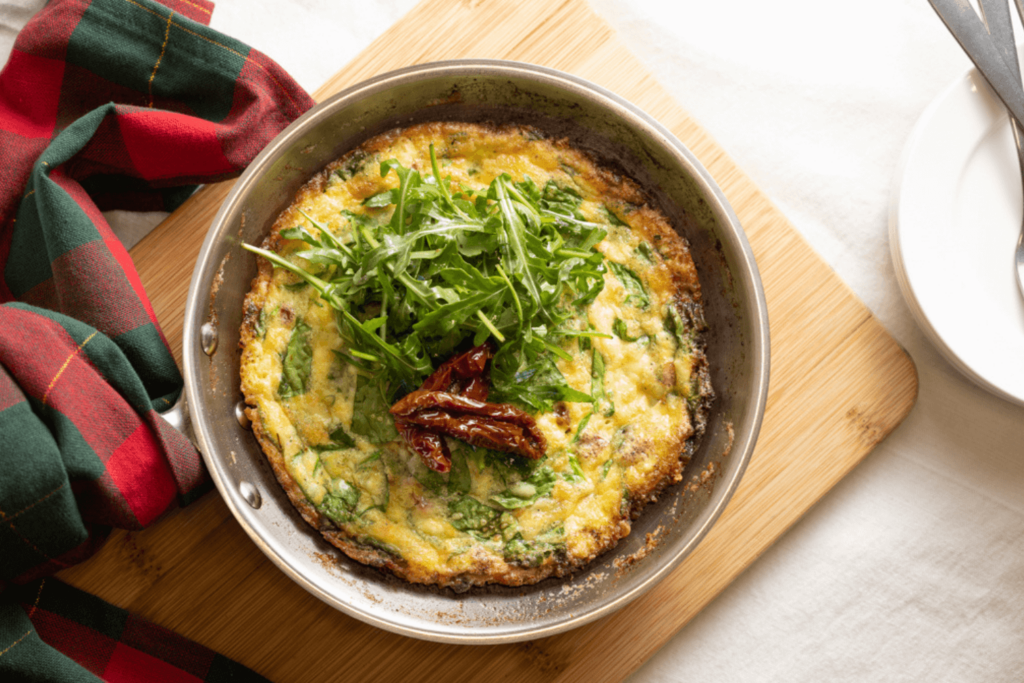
x=839, y=385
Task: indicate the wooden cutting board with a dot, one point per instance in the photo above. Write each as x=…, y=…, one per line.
x=839, y=385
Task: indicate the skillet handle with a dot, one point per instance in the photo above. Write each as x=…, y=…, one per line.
x=178, y=417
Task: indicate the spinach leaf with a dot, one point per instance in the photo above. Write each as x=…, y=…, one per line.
x=351, y=166
x=340, y=437
x=430, y=480
x=469, y=514
x=612, y=218
x=459, y=479
x=680, y=330
x=635, y=292
x=372, y=479
x=260, y=328
x=297, y=362
x=339, y=505
x=370, y=413
x=339, y=440
x=527, y=491
x=532, y=553
x=645, y=251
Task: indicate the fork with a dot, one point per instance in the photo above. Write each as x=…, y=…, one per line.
x=988, y=41
x=996, y=15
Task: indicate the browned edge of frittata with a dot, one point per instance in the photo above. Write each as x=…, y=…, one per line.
x=630, y=203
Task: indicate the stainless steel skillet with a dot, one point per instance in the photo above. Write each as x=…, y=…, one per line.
x=617, y=133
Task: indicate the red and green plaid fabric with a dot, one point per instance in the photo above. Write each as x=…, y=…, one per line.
x=58, y=633
x=103, y=104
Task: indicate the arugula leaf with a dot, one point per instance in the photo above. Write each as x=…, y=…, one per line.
x=579, y=430
x=297, y=362
x=575, y=472
x=527, y=491
x=621, y=330
x=635, y=292
x=447, y=267
x=602, y=401
x=370, y=413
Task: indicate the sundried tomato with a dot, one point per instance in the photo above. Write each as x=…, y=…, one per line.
x=453, y=402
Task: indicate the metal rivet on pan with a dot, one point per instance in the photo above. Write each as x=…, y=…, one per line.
x=208, y=338
x=240, y=415
x=251, y=495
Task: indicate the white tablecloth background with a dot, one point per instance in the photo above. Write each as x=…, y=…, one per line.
x=912, y=568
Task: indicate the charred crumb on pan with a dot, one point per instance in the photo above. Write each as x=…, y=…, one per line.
x=651, y=541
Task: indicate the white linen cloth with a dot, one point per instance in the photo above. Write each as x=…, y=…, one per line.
x=912, y=568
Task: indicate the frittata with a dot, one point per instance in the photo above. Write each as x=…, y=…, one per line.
x=420, y=244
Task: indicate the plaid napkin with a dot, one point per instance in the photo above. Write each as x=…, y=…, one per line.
x=103, y=104
x=73, y=637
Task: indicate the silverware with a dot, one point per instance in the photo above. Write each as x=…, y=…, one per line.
x=991, y=47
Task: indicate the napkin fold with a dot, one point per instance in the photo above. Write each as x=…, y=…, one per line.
x=104, y=104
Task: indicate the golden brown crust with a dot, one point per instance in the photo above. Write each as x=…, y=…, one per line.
x=625, y=198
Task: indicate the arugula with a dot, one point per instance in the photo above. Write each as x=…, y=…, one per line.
x=621, y=330
x=602, y=399
x=297, y=362
x=575, y=473
x=511, y=262
x=583, y=425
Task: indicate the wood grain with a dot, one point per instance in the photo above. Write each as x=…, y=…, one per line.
x=839, y=385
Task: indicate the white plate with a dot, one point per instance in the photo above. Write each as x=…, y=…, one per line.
x=954, y=218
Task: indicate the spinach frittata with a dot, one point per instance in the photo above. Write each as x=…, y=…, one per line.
x=429, y=240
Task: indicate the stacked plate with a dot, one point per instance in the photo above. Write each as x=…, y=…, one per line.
x=954, y=219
